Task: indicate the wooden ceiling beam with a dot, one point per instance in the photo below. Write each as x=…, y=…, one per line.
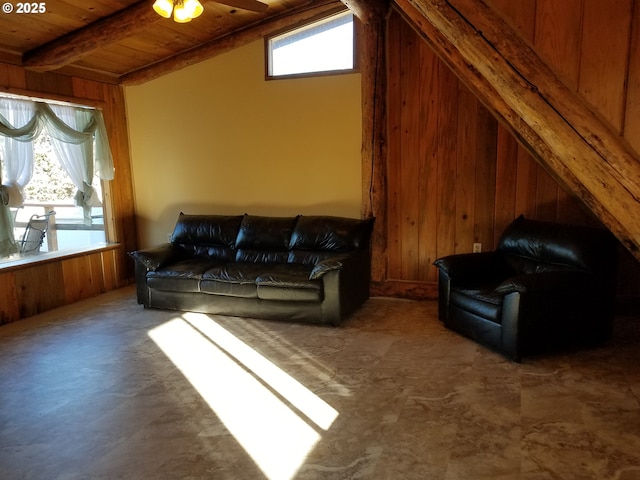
x=229, y=42
x=83, y=41
x=555, y=125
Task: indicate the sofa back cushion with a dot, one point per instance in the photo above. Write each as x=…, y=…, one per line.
x=534, y=246
x=207, y=235
x=264, y=239
x=331, y=234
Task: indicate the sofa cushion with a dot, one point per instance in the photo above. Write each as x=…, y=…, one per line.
x=207, y=235
x=265, y=233
x=264, y=239
x=331, y=233
x=250, y=255
x=289, y=282
x=232, y=279
x=309, y=257
x=182, y=276
x=584, y=248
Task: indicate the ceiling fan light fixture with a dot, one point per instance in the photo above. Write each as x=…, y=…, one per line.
x=183, y=10
x=193, y=7
x=180, y=14
x=163, y=8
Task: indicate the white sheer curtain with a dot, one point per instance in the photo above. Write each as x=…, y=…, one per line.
x=80, y=140
x=76, y=157
x=19, y=125
x=18, y=152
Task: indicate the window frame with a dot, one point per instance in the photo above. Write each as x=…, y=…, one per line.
x=111, y=240
x=300, y=25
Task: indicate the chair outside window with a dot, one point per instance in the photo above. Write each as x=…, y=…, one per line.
x=33, y=237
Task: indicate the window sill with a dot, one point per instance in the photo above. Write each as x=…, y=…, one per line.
x=50, y=257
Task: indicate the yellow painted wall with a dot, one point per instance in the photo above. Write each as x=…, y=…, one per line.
x=217, y=138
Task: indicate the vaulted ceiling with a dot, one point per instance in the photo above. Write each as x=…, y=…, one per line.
x=126, y=41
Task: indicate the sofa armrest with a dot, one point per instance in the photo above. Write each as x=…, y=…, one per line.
x=546, y=281
x=327, y=265
x=156, y=257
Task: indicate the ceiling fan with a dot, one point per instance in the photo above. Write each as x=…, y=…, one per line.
x=186, y=10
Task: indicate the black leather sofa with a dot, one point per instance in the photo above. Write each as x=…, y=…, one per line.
x=307, y=268
x=546, y=286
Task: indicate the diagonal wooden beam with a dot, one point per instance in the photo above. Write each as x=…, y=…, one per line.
x=229, y=42
x=79, y=43
x=552, y=122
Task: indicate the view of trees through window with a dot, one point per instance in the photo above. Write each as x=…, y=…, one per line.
x=49, y=183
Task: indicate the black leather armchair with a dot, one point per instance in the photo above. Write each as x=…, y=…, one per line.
x=545, y=286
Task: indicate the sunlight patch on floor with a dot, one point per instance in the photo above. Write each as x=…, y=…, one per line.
x=246, y=391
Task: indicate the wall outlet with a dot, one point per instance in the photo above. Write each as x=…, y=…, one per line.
x=168, y=237
x=477, y=247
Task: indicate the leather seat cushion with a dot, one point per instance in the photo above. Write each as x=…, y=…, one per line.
x=182, y=276
x=485, y=303
x=232, y=279
x=289, y=282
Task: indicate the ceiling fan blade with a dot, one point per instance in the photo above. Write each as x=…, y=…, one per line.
x=251, y=5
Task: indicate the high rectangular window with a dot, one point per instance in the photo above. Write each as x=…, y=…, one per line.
x=323, y=46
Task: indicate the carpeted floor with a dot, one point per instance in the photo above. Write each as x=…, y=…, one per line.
x=107, y=390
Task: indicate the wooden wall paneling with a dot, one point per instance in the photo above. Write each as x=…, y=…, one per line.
x=631, y=128
x=486, y=153
x=12, y=77
x=79, y=279
x=558, y=37
x=447, y=108
x=520, y=14
x=412, y=130
x=9, y=311
x=466, y=171
x=39, y=288
x=427, y=164
x=97, y=273
x=433, y=97
x=519, y=185
x=506, y=174
x=109, y=270
x=4, y=75
x=604, y=56
x=394, y=150
x=17, y=77
x=88, y=89
x=547, y=197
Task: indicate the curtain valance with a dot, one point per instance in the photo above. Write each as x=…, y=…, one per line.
x=43, y=116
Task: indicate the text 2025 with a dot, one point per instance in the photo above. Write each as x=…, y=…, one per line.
x=33, y=7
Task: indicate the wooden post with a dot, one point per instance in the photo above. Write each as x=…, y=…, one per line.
x=374, y=97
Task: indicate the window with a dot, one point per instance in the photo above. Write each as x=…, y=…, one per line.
x=54, y=157
x=324, y=46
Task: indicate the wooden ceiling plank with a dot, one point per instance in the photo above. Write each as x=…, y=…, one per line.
x=79, y=43
x=229, y=42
